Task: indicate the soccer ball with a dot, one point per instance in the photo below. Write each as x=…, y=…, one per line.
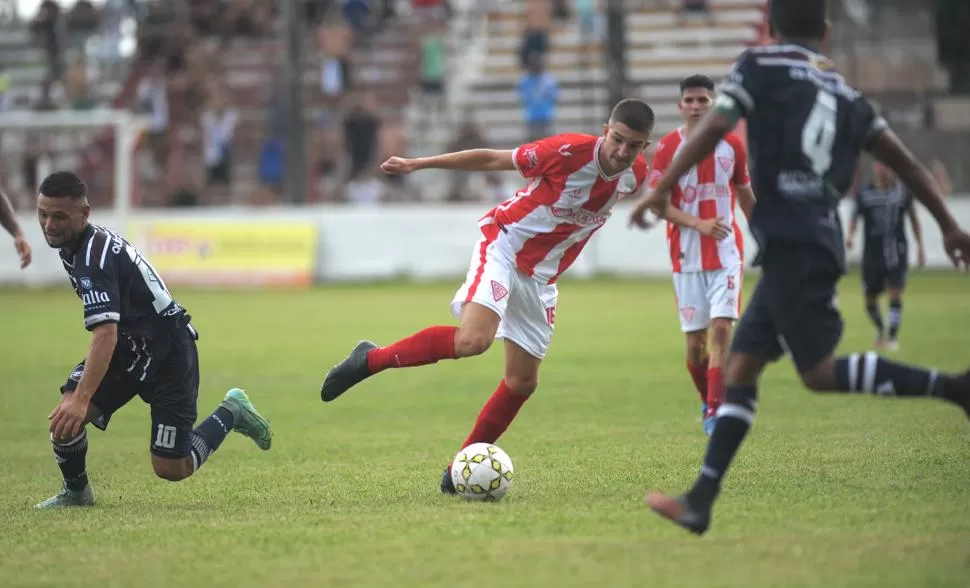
x=482, y=471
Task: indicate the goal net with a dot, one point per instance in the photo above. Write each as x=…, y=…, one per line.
x=97, y=144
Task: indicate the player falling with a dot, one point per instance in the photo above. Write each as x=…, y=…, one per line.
x=526, y=243
x=806, y=127
x=883, y=205
x=706, y=248
x=142, y=343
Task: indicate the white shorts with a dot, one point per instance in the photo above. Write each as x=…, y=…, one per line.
x=703, y=296
x=526, y=307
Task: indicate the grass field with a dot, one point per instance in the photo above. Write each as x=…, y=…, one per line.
x=836, y=491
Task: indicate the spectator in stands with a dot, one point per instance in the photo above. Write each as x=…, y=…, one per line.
x=434, y=67
x=335, y=39
x=539, y=92
x=695, y=8
x=538, y=20
x=953, y=42
x=362, y=125
x=48, y=28
x=218, y=128
x=77, y=88
x=469, y=136
x=83, y=18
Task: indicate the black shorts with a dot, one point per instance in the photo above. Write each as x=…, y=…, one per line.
x=793, y=307
x=172, y=392
x=877, y=275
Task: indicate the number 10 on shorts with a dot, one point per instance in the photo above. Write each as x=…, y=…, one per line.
x=165, y=437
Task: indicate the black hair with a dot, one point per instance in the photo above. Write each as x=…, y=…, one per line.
x=63, y=184
x=634, y=113
x=799, y=19
x=696, y=81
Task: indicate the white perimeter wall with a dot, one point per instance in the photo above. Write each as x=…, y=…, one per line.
x=417, y=241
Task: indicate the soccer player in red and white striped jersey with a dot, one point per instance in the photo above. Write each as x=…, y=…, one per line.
x=525, y=244
x=706, y=247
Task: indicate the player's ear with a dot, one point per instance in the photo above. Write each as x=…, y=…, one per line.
x=606, y=129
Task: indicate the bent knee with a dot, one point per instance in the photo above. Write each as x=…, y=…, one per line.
x=468, y=344
x=721, y=331
x=171, y=470
x=522, y=385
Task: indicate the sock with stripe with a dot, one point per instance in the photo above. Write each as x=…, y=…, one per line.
x=875, y=315
x=209, y=435
x=71, y=457
x=422, y=348
x=496, y=416
x=872, y=374
x=699, y=374
x=895, y=316
x=734, y=418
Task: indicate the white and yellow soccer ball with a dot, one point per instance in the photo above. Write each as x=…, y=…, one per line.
x=482, y=471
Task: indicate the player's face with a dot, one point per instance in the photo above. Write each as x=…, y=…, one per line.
x=694, y=103
x=621, y=147
x=61, y=219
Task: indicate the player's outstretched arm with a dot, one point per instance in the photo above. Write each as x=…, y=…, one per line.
x=887, y=147
x=67, y=419
x=468, y=160
x=9, y=222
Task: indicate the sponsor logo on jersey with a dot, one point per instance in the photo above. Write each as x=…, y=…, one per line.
x=578, y=216
x=94, y=297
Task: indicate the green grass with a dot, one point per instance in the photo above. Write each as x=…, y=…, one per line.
x=828, y=491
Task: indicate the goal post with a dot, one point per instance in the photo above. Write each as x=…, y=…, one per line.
x=126, y=127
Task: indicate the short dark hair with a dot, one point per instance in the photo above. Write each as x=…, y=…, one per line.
x=799, y=19
x=696, y=81
x=634, y=113
x=64, y=184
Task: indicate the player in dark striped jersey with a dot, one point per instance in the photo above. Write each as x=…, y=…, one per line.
x=143, y=344
x=883, y=206
x=806, y=129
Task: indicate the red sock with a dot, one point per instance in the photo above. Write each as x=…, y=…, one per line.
x=699, y=374
x=495, y=416
x=715, y=390
x=421, y=348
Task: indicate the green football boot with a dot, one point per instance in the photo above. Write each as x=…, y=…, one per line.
x=247, y=421
x=67, y=498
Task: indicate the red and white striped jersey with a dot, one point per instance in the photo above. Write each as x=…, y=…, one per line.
x=543, y=228
x=706, y=191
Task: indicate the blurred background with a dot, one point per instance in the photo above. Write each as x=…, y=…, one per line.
x=236, y=104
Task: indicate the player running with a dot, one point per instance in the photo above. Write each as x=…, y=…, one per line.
x=9, y=222
x=706, y=247
x=806, y=127
x=142, y=344
x=526, y=243
x=882, y=206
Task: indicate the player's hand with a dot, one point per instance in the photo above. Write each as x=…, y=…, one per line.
x=957, y=245
x=849, y=242
x=23, y=250
x=920, y=256
x=68, y=417
x=399, y=166
x=650, y=201
x=714, y=227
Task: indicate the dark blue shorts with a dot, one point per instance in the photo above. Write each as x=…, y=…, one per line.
x=171, y=390
x=877, y=275
x=793, y=307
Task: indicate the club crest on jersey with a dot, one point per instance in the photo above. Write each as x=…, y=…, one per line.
x=86, y=283
x=688, y=312
x=726, y=163
x=499, y=291
x=564, y=150
x=77, y=373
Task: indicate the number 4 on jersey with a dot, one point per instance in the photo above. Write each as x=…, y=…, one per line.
x=819, y=131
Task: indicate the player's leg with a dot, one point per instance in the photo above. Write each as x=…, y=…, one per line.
x=724, y=296
x=873, y=281
x=480, y=302
x=527, y=331
x=177, y=449
x=693, y=309
x=754, y=345
x=897, y=283
x=71, y=454
x=811, y=326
